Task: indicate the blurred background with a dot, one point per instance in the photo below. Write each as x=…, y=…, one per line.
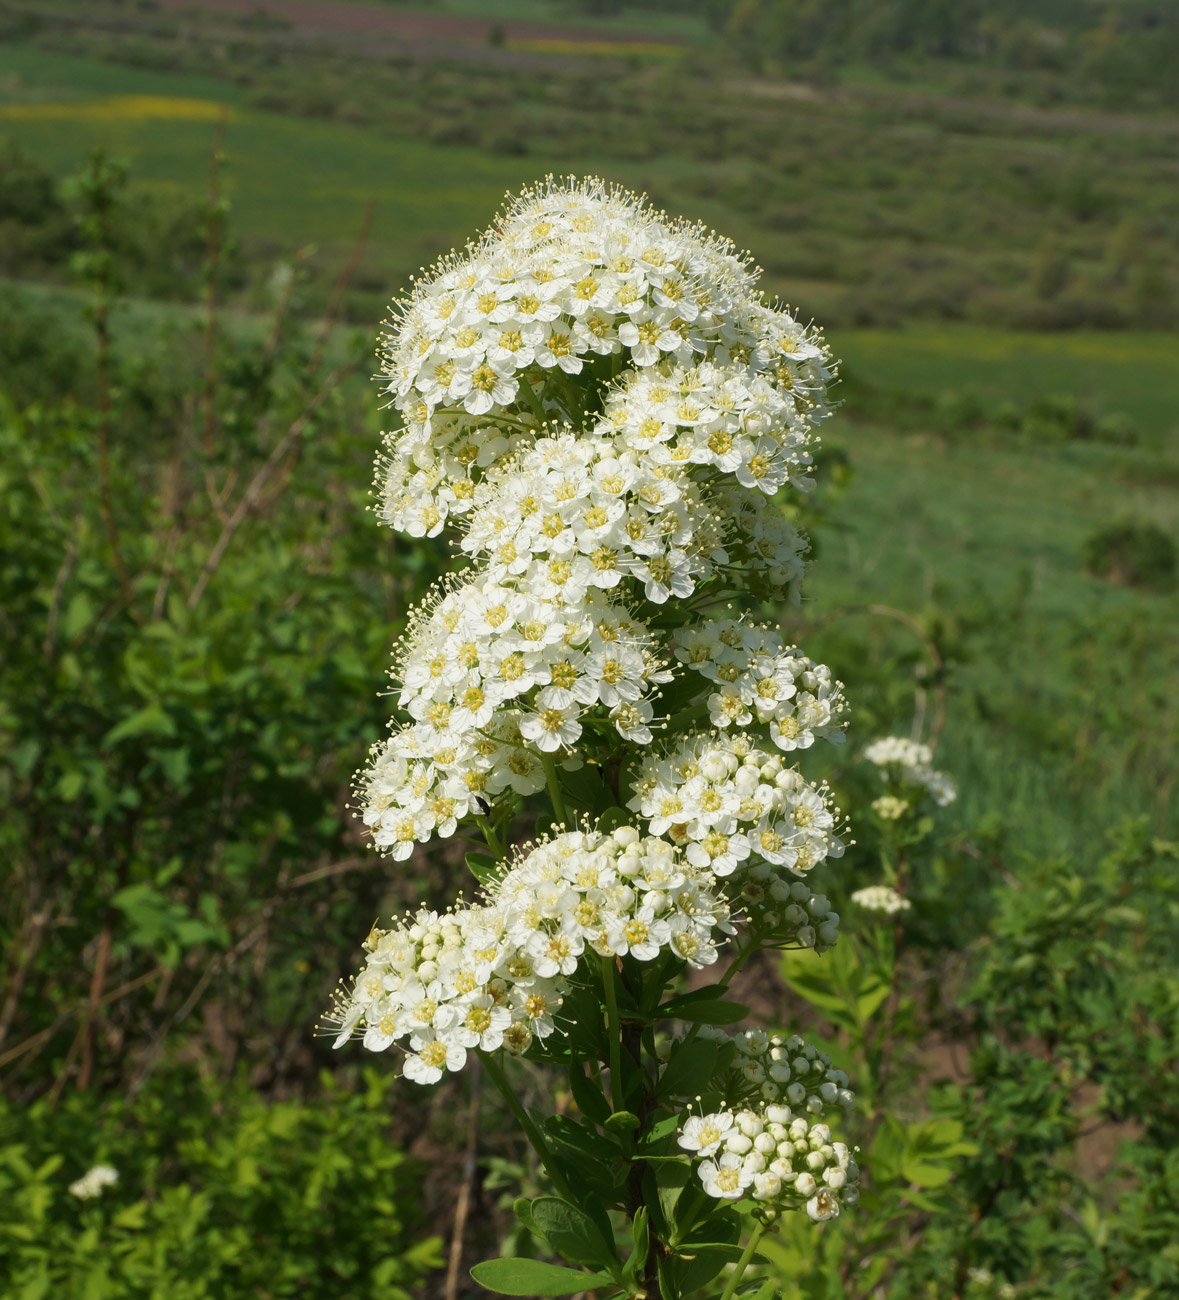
x=205, y=209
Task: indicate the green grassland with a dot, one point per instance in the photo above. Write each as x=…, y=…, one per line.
x=1059, y=717
x=865, y=206
x=1135, y=372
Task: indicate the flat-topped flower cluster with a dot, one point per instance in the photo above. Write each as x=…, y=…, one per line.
x=774, y=1148
x=729, y=801
x=758, y=677
x=494, y=974
x=581, y=282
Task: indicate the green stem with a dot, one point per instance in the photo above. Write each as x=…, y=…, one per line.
x=741, y=958
x=743, y=1262
x=489, y=419
x=533, y=400
x=554, y=787
x=491, y=837
x=613, y=1031
x=495, y=1072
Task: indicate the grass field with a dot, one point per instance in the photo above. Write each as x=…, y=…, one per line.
x=1059, y=718
x=1135, y=372
x=290, y=181
x=863, y=208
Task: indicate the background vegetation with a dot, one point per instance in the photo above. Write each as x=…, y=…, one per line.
x=197, y=608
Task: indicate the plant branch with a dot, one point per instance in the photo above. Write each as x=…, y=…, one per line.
x=613, y=1031
x=743, y=1262
x=535, y=1137
x=253, y=493
x=554, y=787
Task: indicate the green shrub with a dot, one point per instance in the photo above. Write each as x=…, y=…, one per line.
x=1132, y=554
x=219, y=1194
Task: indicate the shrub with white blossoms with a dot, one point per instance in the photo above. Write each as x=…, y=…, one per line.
x=93, y=1182
x=907, y=767
x=614, y=426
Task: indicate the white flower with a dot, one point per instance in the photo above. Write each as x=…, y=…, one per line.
x=822, y=1206
x=909, y=763
x=889, y=808
x=880, y=898
x=552, y=729
x=781, y=1150
x=92, y=1182
x=705, y=1133
x=496, y=973
x=726, y=1178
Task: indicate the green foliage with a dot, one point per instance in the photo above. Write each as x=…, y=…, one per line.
x=531, y=1277
x=1136, y=554
x=950, y=187
x=193, y=627
x=219, y=1193
x=1069, y=1023
x=1122, y=52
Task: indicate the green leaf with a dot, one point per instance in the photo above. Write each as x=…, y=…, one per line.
x=572, y=1233
x=613, y=818
x=697, y=1263
x=151, y=720
x=78, y=613
x=925, y=1175
x=588, y=1096
x=642, y=1239
x=532, y=1277
x=622, y=1121
x=868, y=1002
x=482, y=866
x=657, y=1132
x=690, y=1068
x=702, y=1011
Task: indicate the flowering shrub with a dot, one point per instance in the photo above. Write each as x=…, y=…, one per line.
x=599, y=405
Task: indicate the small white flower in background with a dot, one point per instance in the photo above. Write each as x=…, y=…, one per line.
x=93, y=1181
x=889, y=808
x=909, y=763
x=880, y=898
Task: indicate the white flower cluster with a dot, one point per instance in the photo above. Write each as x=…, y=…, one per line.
x=574, y=272
x=909, y=763
x=493, y=678
x=727, y=801
x=493, y=975
x=484, y=646
x=776, y=1068
x=574, y=514
x=92, y=1182
x=728, y=418
x=880, y=898
x=422, y=783
x=777, y=1151
x=760, y=679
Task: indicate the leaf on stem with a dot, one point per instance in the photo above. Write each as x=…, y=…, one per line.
x=702, y=1007
x=572, y=1233
x=532, y=1277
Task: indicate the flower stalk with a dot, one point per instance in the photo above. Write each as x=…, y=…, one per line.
x=599, y=556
